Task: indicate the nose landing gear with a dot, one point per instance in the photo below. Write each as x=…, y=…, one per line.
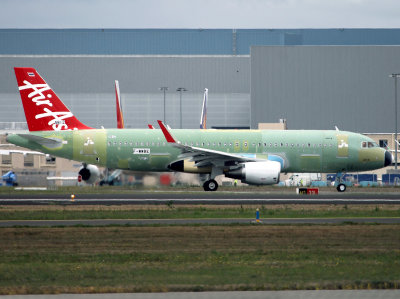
x=340, y=185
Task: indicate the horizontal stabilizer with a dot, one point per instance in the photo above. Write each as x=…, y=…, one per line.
x=47, y=142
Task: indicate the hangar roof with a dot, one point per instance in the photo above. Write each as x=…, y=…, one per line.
x=179, y=41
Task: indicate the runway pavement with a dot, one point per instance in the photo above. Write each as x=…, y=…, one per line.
x=195, y=197
x=201, y=221
x=184, y=194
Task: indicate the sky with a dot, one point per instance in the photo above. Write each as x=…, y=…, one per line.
x=200, y=14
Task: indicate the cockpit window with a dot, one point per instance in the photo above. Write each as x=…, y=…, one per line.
x=368, y=144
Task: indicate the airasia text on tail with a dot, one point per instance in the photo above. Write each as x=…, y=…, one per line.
x=44, y=111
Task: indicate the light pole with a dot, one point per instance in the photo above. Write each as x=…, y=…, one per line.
x=180, y=89
x=395, y=76
x=164, y=89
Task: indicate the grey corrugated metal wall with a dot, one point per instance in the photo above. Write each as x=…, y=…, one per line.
x=318, y=87
x=86, y=85
x=180, y=41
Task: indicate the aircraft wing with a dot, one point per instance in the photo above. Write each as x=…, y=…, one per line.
x=204, y=157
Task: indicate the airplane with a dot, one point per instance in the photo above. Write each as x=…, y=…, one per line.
x=120, y=116
x=203, y=118
x=254, y=156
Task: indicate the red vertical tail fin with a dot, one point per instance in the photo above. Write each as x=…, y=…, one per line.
x=120, y=116
x=44, y=111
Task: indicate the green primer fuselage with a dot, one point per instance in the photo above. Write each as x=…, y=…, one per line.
x=147, y=150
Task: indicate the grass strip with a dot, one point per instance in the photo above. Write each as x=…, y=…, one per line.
x=58, y=212
x=198, y=258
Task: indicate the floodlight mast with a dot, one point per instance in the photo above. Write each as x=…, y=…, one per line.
x=164, y=89
x=395, y=76
x=180, y=89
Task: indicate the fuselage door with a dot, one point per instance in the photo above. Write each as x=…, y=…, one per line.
x=342, y=146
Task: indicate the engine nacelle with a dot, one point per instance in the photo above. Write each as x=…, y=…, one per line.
x=89, y=173
x=257, y=173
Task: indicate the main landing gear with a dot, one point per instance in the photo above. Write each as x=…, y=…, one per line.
x=210, y=185
x=340, y=185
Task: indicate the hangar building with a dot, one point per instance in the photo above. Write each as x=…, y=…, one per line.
x=314, y=78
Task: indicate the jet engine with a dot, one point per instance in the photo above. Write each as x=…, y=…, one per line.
x=257, y=173
x=89, y=173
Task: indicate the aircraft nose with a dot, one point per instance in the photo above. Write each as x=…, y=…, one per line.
x=388, y=158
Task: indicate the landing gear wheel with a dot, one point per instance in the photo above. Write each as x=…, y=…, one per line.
x=210, y=185
x=341, y=188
